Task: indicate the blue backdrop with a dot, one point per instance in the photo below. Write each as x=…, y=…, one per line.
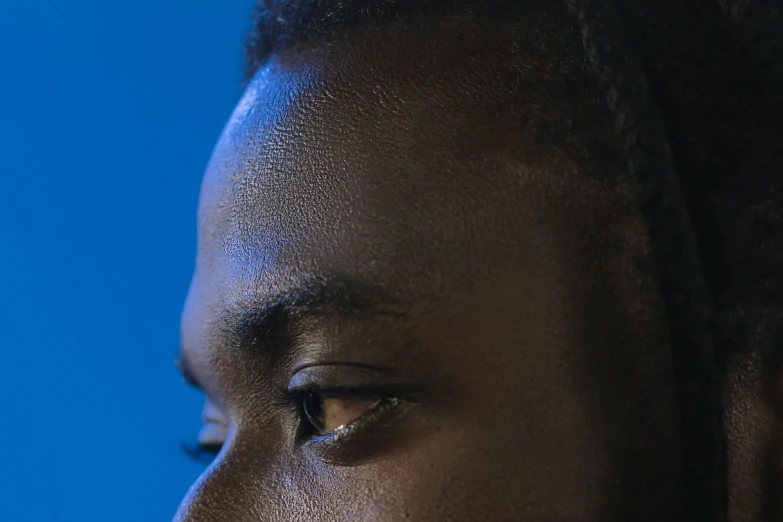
x=108, y=113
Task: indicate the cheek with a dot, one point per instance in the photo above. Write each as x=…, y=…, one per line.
x=456, y=475
x=440, y=479
x=560, y=405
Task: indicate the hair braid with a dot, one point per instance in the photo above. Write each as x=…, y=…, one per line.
x=687, y=298
x=760, y=25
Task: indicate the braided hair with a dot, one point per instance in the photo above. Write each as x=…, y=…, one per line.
x=705, y=158
x=695, y=88
x=686, y=295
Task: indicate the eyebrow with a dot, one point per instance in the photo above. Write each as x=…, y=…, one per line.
x=267, y=320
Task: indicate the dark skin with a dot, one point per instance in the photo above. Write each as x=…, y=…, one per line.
x=427, y=240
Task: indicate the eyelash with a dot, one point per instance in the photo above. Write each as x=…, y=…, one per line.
x=203, y=454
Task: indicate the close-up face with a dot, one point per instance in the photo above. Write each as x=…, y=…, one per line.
x=423, y=291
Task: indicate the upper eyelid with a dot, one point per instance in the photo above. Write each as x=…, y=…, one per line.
x=211, y=412
x=341, y=375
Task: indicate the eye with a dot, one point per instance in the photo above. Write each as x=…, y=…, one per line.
x=212, y=435
x=327, y=414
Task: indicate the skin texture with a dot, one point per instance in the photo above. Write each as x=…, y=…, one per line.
x=442, y=212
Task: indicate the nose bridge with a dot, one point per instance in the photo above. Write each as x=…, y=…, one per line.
x=228, y=491
x=207, y=499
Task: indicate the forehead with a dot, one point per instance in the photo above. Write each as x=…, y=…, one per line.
x=392, y=163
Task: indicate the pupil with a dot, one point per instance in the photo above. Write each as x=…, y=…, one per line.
x=314, y=409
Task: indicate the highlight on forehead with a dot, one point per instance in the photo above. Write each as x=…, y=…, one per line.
x=281, y=24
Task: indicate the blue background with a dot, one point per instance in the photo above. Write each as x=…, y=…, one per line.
x=108, y=114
